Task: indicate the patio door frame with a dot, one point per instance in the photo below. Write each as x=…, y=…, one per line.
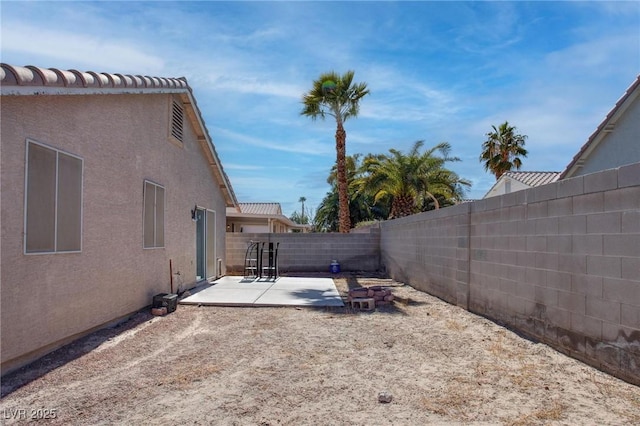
x=206, y=247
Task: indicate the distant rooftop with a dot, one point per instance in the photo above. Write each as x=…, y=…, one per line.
x=261, y=208
x=529, y=179
x=534, y=178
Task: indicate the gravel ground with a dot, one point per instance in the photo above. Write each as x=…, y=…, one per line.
x=299, y=366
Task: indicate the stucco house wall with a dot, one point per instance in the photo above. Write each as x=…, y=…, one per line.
x=615, y=142
x=500, y=188
x=619, y=147
x=514, y=181
x=50, y=299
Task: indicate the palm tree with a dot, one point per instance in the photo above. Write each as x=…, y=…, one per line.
x=415, y=181
x=327, y=216
x=361, y=206
x=502, y=150
x=339, y=97
x=302, y=200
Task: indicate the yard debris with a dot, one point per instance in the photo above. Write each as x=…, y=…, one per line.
x=159, y=311
x=363, y=303
x=380, y=295
x=385, y=397
x=403, y=300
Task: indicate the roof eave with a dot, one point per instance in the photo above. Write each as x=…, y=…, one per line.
x=280, y=218
x=194, y=114
x=601, y=131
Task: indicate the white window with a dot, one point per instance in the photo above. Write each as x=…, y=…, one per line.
x=53, y=200
x=153, y=215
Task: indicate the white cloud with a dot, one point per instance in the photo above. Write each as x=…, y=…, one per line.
x=308, y=147
x=489, y=27
x=259, y=36
x=243, y=166
x=408, y=100
x=599, y=55
x=255, y=84
x=78, y=48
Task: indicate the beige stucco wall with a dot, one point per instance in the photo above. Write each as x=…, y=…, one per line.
x=618, y=147
x=47, y=299
x=500, y=187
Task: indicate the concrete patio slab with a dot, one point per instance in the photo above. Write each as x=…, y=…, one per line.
x=224, y=296
x=301, y=297
x=305, y=282
x=285, y=291
x=242, y=283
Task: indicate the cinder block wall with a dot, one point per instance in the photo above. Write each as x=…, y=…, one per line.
x=311, y=252
x=430, y=251
x=559, y=262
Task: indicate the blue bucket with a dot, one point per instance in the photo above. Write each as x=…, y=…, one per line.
x=335, y=267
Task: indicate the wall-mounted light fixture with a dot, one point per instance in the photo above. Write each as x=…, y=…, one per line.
x=193, y=213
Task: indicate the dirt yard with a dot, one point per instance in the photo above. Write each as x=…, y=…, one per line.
x=279, y=366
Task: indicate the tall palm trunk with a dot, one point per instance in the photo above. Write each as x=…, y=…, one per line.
x=505, y=160
x=343, y=193
x=401, y=206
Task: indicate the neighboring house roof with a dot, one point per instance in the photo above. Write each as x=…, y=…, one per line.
x=31, y=80
x=261, y=208
x=533, y=178
x=605, y=127
x=530, y=179
x=263, y=211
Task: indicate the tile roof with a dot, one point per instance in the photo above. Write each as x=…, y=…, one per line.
x=36, y=80
x=261, y=208
x=534, y=178
x=606, y=126
x=531, y=179
x=263, y=211
x=31, y=80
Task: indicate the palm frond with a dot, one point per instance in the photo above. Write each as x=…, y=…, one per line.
x=418, y=179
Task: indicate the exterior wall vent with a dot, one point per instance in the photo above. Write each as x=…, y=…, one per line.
x=177, y=121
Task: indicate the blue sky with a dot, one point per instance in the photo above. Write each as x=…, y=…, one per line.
x=437, y=71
